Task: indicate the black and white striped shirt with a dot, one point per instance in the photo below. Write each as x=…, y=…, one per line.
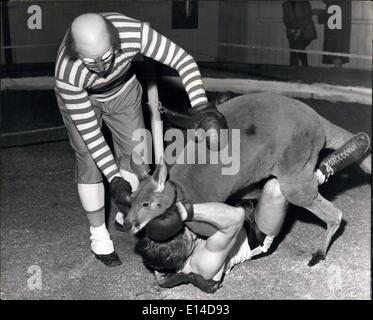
x=73, y=80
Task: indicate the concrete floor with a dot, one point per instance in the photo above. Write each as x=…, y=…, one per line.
x=42, y=224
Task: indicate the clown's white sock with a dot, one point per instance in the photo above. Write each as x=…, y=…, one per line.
x=100, y=240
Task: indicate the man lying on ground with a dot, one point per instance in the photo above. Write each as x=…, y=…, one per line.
x=243, y=232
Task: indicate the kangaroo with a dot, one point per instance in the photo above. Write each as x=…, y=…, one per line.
x=279, y=137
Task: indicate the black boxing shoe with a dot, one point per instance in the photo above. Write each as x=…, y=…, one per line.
x=110, y=260
x=352, y=151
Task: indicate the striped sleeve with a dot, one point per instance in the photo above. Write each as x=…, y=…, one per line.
x=158, y=47
x=75, y=98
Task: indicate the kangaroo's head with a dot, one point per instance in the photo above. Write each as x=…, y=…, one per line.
x=153, y=196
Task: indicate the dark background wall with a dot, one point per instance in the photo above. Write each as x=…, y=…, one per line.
x=254, y=23
x=57, y=15
x=260, y=24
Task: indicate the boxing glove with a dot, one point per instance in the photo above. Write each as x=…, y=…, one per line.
x=165, y=226
x=169, y=224
x=208, y=118
x=121, y=192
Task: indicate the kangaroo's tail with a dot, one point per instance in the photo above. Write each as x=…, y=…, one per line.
x=336, y=137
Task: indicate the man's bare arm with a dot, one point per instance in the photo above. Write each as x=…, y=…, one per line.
x=222, y=216
x=209, y=257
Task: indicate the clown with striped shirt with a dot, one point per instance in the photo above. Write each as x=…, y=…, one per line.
x=95, y=83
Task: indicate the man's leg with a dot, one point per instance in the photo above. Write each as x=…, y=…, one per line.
x=123, y=116
x=304, y=59
x=270, y=212
x=271, y=209
x=337, y=62
x=92, y=195
x=293, y=55
x=266, y=219
x=304, y=56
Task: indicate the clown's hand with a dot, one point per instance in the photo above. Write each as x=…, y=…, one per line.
x=211, y=121
x=121, y=191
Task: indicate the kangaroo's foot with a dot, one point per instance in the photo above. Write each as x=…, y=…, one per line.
x=316, y=258
x=332, y=216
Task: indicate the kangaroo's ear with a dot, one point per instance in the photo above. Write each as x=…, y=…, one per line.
x=138, y=166
x=159, y=176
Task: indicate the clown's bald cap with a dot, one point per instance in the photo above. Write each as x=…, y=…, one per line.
x=91, y=35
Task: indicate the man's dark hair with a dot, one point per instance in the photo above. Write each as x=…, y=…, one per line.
x=73, y=54
x=167, y=256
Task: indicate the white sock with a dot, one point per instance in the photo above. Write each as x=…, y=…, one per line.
x=100, y=240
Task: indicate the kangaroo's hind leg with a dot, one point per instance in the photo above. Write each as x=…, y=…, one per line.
x=302, y=190
x=332, y=216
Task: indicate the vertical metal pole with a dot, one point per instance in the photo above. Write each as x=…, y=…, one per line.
x=6, y=37
x=153, y=102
